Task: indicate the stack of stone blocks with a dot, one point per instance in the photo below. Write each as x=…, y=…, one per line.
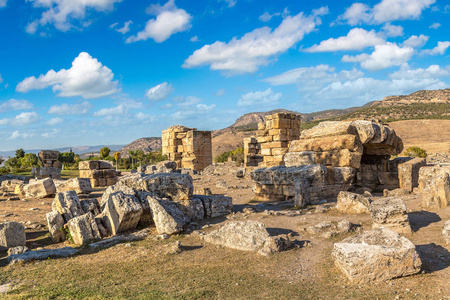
x=188, y=147
x=274, y=136
x=100, y=172
x=51, y=167
x=252, y=152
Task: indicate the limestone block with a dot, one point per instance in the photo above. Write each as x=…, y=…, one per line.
x=352, y=203
x=83, y=229
x=434, y=185
x=39, y=189
x=329, y=143
x=68, y=205
x=46, y=172
x=88, y=165
x=375, y=256
x=390, y=213
x=216, y=205
x=329, y=128
x=408, y=173
x=193, y=209
x=122, y=212
x=174, y=186
x=42, y=255
x=79, y=185
x=55, y=226
x=340, y=158
x=302, y=193
x=168, y=218
x=293, y=159
x=91, y=205
x=446, y=232
x=12, y=234
x=243, y=235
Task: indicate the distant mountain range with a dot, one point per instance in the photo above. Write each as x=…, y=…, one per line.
x=77, y=150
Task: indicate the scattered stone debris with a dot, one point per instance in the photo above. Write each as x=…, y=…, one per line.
x=390, y=213
x=331, y=229
x=377, y=255
x=166, y=166
x=79, y=185
x=434, y=185
x=352, y=203
x=38, y=189
x=83, y=229
x=168, y=218
x=17, y=250
x=135, y=236
x=12, y=234
x=408, y=173
x=42, y=255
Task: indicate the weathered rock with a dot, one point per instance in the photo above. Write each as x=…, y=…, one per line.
x=390, y=213
x=46, y=172
x=329, y=128
x=174, y=186
x=202, y=191
x=68, y=205
x=118, y=187
x=274, y=244
x=39, y=189
x=243, y=235
x=434, y=185
x=331, y=229
x=42, y=255
x=91, y=205
x=168, y=218
x=134, y=236
x=193, y=209
x=352, y=203
x=329, y=143
x=122, y=212
x=166, y=166
x=408, y=173
x=446, y=232
x=79, y=185
x=12, y=234
x=95, y=165
x=377, y=255
x=55, y=226
x=17, y=250
x=302, y=193
x=216, y=205
x=83, y=229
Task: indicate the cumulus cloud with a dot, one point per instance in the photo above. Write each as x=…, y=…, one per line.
x=14, y=104
x=259, y=98
x=64, y=13
x=194, y=39
x=25, y=118
x=435, y=25
x=87, y=78
x=118, y=110
x=392, y=30
x=70, y=109
x=124, y=29
x=385, y=11
x=54, y=121
x=169, y=20
x=256, y=48
x=4, y=121
x=17, y=134
x=356, y=39
x=384, y=56
x=416, y=41
x=439, y=49
x=159, y=92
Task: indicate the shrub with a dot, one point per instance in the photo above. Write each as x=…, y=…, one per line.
x=416, y=152
x=237, y=155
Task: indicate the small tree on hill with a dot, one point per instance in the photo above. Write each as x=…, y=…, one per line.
x=117, y=158
x=104, y=152
x=20, y=153
x=416, y=152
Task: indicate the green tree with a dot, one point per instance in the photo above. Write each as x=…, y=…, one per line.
x=416, y=152
x=133, y=156
x=117, y=158
x=67, y=157
x=139, y=154
x=104, y=152
x=13, y=164
x=20, y=153
x=29, y=160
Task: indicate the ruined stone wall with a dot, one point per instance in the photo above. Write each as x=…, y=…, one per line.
x=188, y=147
x=51, y=167
x=100, y=172
x=252, y=152
x=274, y=136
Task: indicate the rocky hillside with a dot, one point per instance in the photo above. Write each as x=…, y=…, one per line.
x=146, y=144
x=419, y=97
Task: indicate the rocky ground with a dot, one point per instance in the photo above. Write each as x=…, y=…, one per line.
x=186, y=267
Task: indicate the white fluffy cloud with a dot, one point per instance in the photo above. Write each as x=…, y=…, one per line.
x=435, y=25
x=63, y=13
x=25, y=118
x=17, y=134
x=14, y=104
x=392, y=30
x=124, y=29
x=197, y=111
x=416, y=41
x=159, y=92
x=118, y=110
x=169, y=20
x=384, y=56
x=356, y=39
x=87, y=78
x=70, y=109
x=385, y=11
x=439, y=49
x=256, y=48
x=54, y=121
x=259, y=98
x=3, y=3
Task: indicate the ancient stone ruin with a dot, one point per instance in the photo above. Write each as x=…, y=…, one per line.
x=100, y=172
x=188, y=147
x=252, y=152
x=51, y=167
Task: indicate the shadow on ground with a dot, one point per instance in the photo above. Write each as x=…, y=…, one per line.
x=420, y=219
x=434, y=257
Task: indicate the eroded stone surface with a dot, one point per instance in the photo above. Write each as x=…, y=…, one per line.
x=352, y=203
x=122, y=212
x=391, y=213
x=434, y=185
x=168, y=218
x=68, y=205
x=83, y=229
x=55, y=226
x=12, y=234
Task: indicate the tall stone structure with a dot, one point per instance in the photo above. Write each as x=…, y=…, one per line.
x=274, y=136
x=188, y=147
x=100, y=172
x=252, y=152
x=51, y=167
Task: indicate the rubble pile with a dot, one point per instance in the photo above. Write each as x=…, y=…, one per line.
x=188, y=147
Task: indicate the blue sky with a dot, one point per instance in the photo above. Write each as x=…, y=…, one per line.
x=90, y=72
